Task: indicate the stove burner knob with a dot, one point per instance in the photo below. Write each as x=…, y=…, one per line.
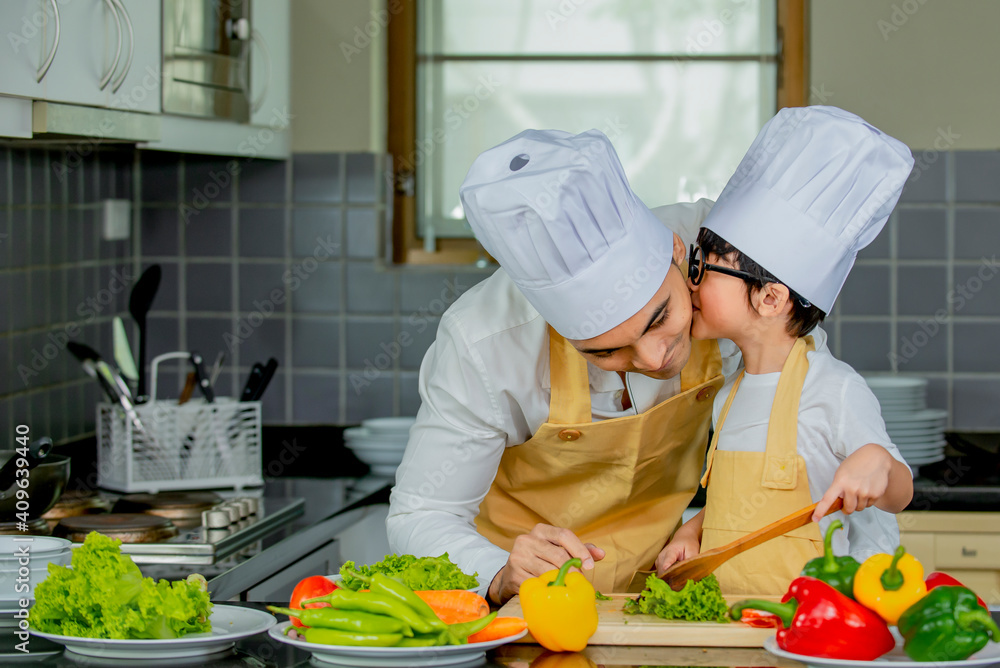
x=254, y=505
x=215, y=518
x=234, y=511
x=244, y=506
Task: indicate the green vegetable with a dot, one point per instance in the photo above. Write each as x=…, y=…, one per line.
x=947, y=624
x=697, y=602
x=838, y=572
x=104, y=595
x=424, y=573
x=601, y=597
x=354, y=621
x=334, y=637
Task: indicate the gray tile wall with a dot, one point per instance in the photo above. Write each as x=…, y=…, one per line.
x=260, y=259
x=282, y=259
x=924, y=299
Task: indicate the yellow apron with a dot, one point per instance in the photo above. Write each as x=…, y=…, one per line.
x=749, y=490
x=620, y=483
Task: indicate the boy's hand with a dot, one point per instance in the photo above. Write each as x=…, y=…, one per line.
x=861, y=479
x=682, y=547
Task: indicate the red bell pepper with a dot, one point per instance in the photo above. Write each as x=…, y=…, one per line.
x=820, y=621
x=938, y=579
x=313, y=586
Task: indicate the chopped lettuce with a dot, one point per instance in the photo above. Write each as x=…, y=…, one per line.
x=104, y=595
x=423, y=573
x=700, y=601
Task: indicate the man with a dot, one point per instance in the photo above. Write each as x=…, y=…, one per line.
x=565, y=407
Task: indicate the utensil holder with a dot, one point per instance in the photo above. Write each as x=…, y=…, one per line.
x=197, y=445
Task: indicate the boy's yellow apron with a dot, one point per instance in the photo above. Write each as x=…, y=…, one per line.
x=749, y=490
x=621, y=483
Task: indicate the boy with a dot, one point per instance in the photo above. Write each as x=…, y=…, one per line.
x=796, y=426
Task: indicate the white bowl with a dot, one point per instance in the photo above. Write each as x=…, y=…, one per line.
x=11, y=546
x=389, y=425
x=361, y=437
x=14, y=577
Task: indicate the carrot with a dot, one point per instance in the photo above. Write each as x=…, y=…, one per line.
x=455, y=606
x=501, y=627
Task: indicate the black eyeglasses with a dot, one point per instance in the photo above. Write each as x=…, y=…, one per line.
x=697, y=266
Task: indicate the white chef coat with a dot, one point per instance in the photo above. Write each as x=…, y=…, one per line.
x=484, y=385
x=838, y=414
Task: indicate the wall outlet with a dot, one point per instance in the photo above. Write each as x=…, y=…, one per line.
x=116, y=219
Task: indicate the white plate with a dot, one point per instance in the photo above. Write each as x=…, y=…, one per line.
x=229, y=624
x=390, y=657
x=389, y=425
x=927, y=459
x=895, y=659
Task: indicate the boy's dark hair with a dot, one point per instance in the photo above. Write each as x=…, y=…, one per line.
x=802, y=319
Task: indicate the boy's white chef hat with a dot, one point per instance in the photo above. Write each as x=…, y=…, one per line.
x=557, y=213
x=816, y=186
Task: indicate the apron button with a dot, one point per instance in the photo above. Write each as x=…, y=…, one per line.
x=569, y=434
x=706, y=393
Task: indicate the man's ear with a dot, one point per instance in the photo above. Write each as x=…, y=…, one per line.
x=680, y=250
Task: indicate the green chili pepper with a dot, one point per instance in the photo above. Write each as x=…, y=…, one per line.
x=346, y=620
x=336, y=637
x=366, y=601
x=463, y=630
x=947, y=624
x=379, y=583
x=838, y=572
x=424, y=640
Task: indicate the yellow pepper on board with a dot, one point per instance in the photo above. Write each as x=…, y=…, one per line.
x=560, y=608
x=890, y=583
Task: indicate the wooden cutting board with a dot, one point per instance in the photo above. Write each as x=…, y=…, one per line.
x=614, y=627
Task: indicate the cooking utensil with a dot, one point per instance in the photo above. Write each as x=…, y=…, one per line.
x=33, y=456
x=201, y=376
x=705, y=563
x=47, y=480
x=122, y=351
x=139, y=303
x=216, y=368
x=260, y=376
x=188, y=390
x=114, y=385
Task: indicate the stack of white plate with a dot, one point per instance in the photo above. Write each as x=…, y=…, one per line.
x=916, y=430
x=380, y=442
x=24, y=560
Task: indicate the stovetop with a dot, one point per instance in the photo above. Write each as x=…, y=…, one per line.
x=217, y=538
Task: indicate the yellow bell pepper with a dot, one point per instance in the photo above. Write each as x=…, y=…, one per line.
x=560, y=608
x=890, y=583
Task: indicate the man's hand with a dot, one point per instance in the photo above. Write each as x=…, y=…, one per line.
x=870, y=476
x=544, y=548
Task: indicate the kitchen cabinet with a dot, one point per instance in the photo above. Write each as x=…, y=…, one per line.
x=270, y=61
x=30, y=27
x=139, y=90
x=965, y=545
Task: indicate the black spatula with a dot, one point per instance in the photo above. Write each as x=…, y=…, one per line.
x=139, y=303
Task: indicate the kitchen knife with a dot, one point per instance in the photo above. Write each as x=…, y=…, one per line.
x=256, y=373
x=201, y=376
x=266, y=375
x=113, y=384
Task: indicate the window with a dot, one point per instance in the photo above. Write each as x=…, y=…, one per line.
x=681, y=88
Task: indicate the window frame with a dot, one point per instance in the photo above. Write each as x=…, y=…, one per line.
x=406, y=246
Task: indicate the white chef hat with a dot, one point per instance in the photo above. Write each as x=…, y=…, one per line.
x=816, y=186
x=557, y=213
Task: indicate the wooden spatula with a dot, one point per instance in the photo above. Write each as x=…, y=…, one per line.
x=698, y=567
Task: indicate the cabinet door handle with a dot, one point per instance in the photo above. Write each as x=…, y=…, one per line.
x=131, y=47
x=118, y=53
x=44, y=69
x=258, y=42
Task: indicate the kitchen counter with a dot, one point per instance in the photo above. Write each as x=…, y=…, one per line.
x=261, y=651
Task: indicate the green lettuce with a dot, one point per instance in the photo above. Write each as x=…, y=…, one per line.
x=104, y=595
x=423, y=573
x=700, y=601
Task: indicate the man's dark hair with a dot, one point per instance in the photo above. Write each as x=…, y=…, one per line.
x=803, y=318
